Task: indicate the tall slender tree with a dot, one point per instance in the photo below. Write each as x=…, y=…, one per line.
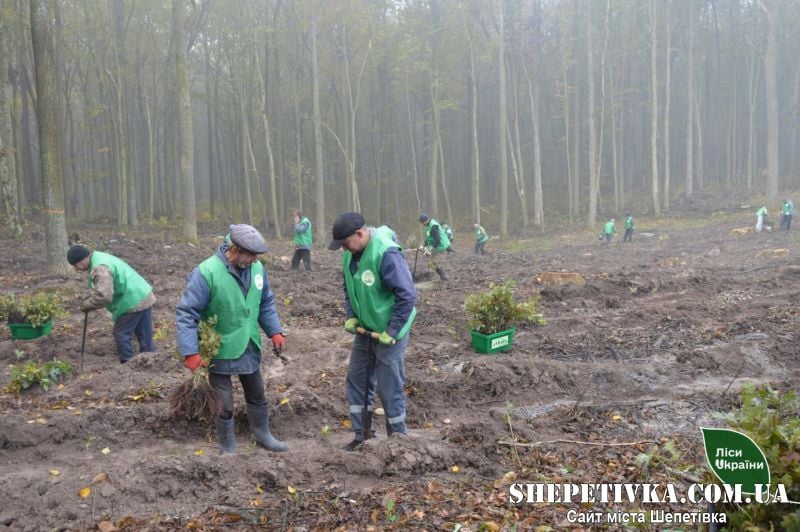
x=184, y=120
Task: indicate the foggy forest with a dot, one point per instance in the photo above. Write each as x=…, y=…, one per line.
x=517, y=114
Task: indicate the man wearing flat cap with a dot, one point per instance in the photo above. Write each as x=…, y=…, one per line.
x=233, y=286
x=379, y=299
x=120, y=289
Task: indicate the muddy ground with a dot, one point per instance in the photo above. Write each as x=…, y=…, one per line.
x=661, y=335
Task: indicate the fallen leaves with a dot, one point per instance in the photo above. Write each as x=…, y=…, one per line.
x=84, y=492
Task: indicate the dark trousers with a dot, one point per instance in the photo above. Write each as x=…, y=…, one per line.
x=305, y=256
x=786, y=221
x=252, y=384
x=628, y=237
x=138, y=323
x=480, y=248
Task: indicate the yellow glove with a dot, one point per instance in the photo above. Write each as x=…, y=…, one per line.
x=385, y=339
x=351, y=324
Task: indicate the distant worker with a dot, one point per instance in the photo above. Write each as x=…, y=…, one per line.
x=302, y=241
x=123, y=292
x=786, y=214
x=628, y=236
x=451, y=236
x=761, y=219
x=481, y=238
x=436, y=243
x=609, y=230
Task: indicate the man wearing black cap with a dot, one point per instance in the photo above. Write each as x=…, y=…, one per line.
x=379, y=298
x=233, y=286
x=119, y=288
x=436, y=242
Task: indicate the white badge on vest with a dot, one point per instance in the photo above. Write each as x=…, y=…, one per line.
x=259, y=279
x=368, y=278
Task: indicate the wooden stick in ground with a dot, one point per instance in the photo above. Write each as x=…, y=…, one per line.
x=575, y=442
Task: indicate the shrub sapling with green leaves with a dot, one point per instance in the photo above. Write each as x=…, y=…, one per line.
x=496, y=310
x=24, y=376
x=36, y=309
x=195, y=398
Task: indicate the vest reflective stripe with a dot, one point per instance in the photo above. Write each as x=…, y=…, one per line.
x=130, y=288
x=444, y=242
x=304, y=238
x=237, y=317
x=372, y=302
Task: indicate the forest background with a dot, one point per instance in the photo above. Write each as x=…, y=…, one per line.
x=518, y=114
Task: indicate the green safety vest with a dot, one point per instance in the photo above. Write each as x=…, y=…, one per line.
x=480, y=235
x=629, y=222
x=237, y=317
x=304, y=238
x=761, y=212
x=372, y=302
x=130, y=288
x=444, y=242
x=609, y=228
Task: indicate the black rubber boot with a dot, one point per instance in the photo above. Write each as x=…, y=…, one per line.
x=258, y=415
x=226, y=438
x=442, y=274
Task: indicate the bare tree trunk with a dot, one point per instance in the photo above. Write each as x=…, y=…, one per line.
x=184, y=121
x=654, y=109
x=8, y=168
x=47, y=114
x=690, y=105
x=538, y=201
x=516, y=152
x=475, y=160
x=667, y=93
x=565, y=59
x=245, y=129
x=771, y=82
x=273, y=186
x=318, y=161
x=433, y=182
x=593, y=177
x=412, y=144
x=503, y=125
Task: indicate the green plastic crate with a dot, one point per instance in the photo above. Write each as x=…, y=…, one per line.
x=492, y=343
x=26, y=331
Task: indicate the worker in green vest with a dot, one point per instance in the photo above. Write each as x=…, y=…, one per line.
x=481, y=238
x=436, y=243
x=761, y=219
x=629, y=227
x=379, y=299
x=120, y=289
x=609, y=230
x=302, y=241
x=233, y=286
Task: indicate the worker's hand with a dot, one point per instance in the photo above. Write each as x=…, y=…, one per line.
x=278, y=343
x=86, y=306
x=427, y=251
x=193, y=362
x=351, y=324
x=385, y=339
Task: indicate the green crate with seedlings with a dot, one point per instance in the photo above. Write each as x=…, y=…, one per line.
x=494, y=314
x=31, y=373
x=31, y=316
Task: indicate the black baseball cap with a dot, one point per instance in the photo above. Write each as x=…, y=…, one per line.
x=345, y=225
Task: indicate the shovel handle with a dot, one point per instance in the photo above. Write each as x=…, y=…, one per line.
x=371, y=334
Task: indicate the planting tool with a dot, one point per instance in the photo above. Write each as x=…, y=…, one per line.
x=414, y=274
x=279, y=355
x=366, y=419
x=371, y=334
x=83, y=341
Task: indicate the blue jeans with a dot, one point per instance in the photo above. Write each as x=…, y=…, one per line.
x=138, y=323
x=387, y=378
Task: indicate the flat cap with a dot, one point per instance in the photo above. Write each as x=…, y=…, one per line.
x=423, y=217
x=345, y=225
x=248, y=238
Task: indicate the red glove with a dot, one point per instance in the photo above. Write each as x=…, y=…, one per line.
x=278, y=342
x=193, y=362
